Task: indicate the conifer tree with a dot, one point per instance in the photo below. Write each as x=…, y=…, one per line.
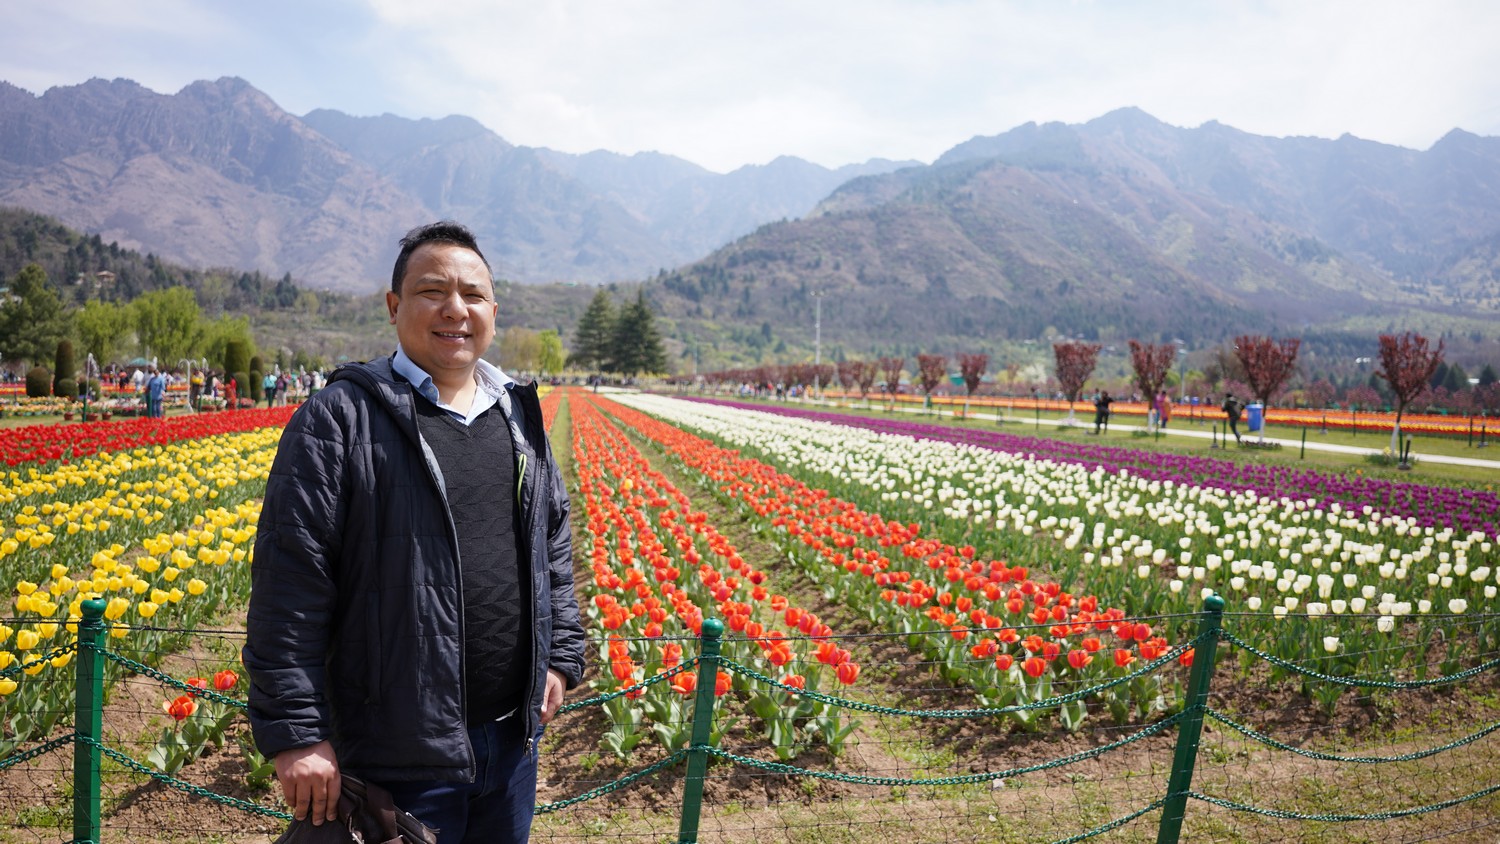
x=635, y=345
x=595, y=333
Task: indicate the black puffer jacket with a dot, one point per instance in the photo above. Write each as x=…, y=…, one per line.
x=355, y=627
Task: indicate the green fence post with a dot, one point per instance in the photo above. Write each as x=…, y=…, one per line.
x=1302, y=455
x=88, y=721
x=703, y=722
x=1191, y=728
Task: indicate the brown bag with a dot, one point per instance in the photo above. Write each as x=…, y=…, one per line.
x=367, y=815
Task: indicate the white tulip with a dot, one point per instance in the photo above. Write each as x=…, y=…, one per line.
x=1331, y=644
x=1385, y=624
x=1457, y=606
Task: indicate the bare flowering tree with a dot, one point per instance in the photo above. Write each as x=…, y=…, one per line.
x=1407, y=365
x=1074, y=363
x=1151, y=363
x=972, y=368
x=891, y=368
x=931, y=370
x=1268, y=364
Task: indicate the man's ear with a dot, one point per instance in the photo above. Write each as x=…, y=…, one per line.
x=392, y=301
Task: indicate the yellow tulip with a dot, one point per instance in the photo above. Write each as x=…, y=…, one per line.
x=139, y=587
x=170, y=573
x=116, y=608
x=146, y=609
x=62, y=660
x=158, y=596
x=34, y=669
x=47, y=629
x=25, y=587
x=4, y=636
x=7, y=685
x=26, y=640
x=175, y=595
x=196, y=586
x=148, y=564
x=118, y=630
x=59, y=571
x=7, y=659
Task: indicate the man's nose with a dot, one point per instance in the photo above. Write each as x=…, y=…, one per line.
x=453, y=305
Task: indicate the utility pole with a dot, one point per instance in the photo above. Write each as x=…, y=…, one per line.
x=817, y=343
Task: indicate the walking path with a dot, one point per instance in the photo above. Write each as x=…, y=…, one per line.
x=1189, y=430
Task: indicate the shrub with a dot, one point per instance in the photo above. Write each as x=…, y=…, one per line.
x=64, y=370
x=38, y=382
x=257, y=389
x=65, y=388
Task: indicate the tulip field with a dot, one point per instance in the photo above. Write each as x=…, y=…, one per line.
x=930, y=632
x=1153, y=534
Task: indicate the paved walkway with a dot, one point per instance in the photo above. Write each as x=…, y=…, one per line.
x=1188, y=429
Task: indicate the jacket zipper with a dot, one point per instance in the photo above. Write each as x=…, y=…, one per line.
x=434, y=473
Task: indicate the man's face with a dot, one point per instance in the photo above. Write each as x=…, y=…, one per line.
x=445, y=313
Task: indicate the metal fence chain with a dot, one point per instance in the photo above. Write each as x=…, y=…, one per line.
x=1252, y=733
x=966, y=779
x=1356, y=681
x=1049, y=703
x=1282, y=814
x=166, y=679
x=602, y=790
x=189, y=788
x=39, y=750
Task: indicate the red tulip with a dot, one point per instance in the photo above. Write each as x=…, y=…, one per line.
x=225, y=680
x=848, y=672
x=1034, y=666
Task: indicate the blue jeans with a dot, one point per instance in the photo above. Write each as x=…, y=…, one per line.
x=495, y=808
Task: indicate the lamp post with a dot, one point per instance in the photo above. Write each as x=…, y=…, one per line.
x=817, y=343
x=188, y=363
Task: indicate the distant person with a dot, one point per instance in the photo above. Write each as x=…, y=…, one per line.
x=1232, y=411
x=1101, y=410
x=268, y=386
x=156, y=393
x=1163, y=408
x=231, y=394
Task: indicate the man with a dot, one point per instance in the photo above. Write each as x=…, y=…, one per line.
x=1101, y=410
x=156, y=393
x=1232, y=411
x=412, y=617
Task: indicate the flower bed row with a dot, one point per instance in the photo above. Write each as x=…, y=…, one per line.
x=987, y=623
x=656, y=565
x=1426, y=505
x=1157, y=544
x=40, y=444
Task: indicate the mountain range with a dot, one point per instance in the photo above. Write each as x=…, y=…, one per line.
x=1123, y=226
x=219, y=175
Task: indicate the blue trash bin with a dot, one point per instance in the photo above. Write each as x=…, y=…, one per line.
x=1255, y=417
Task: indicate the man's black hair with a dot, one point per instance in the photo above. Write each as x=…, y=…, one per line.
x=443, y=231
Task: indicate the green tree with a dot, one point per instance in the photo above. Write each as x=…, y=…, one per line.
x=63, y=370
x=168, y=324
x=32, y=319
x=635, y=345
x=102, y=328
x=220, y=333
x=595, y=333
x=552, y=358
x=520, y=349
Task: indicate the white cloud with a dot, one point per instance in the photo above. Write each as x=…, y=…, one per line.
x=725, y=83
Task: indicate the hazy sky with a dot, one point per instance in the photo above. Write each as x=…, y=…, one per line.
x=834, y=81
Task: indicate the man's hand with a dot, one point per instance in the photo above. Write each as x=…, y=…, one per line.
x=310, y=780
x=552, y=698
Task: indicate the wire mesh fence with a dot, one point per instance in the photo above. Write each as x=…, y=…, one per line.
x=1313, y=748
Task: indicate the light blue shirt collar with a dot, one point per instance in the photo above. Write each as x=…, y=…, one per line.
x=492, y=383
